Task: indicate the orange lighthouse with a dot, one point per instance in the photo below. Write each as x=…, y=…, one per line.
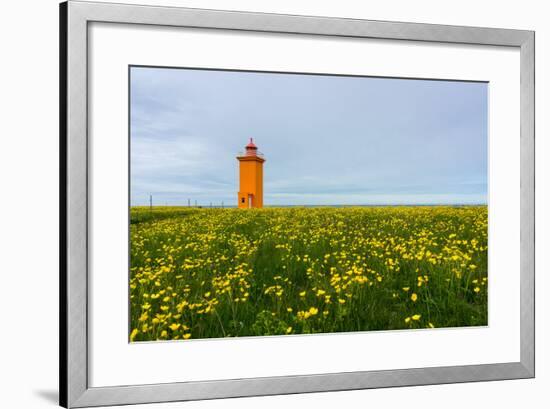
x=251, y=177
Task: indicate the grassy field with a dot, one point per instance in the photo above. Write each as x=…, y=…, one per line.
x=203, y=273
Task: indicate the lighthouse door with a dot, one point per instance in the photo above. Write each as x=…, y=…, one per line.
x=249, y=201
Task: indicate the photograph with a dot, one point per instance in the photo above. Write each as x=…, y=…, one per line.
x=275, y=203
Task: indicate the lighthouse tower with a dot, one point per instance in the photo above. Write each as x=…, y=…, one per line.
x=251, y=177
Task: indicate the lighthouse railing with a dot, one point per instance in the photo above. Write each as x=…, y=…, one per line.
x=258, y=154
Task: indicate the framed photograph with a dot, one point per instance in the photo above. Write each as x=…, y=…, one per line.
x=258, y=204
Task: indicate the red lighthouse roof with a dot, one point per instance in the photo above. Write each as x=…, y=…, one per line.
x=251, y=145
x=251, y=152
x=251, y=149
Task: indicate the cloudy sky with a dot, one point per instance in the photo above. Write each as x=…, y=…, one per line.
x=328, y=140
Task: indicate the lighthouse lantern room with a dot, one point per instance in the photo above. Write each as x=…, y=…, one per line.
x=251, y=177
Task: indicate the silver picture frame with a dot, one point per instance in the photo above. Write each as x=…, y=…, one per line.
x=75, y=16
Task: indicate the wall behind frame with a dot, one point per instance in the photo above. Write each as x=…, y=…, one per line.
x=29, y=201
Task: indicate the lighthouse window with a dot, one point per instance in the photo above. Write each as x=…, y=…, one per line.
x=242, y=199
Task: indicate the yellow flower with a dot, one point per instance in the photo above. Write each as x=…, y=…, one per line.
x=289, y=309
x=186, y=336
x=303, y=315
x=289, y=330
x=164, y=334
x=477, y=289
x=341, y=301
x=174, y=326
x=303, y=294
x=135, y=331
x=313, y=311
x=414, y=297
x=406, y=289
x=416, y=317
x=407, y=320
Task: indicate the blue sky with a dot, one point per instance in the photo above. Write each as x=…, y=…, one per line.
x=328, y=140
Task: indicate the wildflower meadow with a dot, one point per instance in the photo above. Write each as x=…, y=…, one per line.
x=208, y=273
